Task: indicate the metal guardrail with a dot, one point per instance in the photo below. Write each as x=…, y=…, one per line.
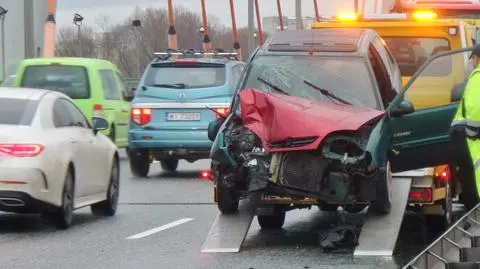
x=458, y=247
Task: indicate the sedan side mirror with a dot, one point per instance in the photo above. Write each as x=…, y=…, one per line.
x=99, y=124
x=213, y=128
x=404, y=108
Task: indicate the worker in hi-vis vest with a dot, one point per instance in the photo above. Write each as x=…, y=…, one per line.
x=466, y=129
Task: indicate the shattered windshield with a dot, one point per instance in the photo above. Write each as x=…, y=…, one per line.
x=344, y=77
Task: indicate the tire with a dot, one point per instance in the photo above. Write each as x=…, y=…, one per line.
x=226, y=201
x=441, y=223
x=383, y=201
x=109, y=206
x=169, y=165
x=272, y=222
x=139, y=163
x=64, y=215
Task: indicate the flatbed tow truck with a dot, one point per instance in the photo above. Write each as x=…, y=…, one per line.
x=424, y=190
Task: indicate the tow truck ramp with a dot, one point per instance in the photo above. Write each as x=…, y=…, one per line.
x=379, y=233
x=229, y=231
x=456, y=248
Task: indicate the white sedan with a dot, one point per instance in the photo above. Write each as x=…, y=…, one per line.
x=51, y=159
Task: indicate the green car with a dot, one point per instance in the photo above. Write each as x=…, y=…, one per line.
x=96, y=86
x=321, y=144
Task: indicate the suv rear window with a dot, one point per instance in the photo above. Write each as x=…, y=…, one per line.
x=15, y=111
x=70, y=80
x=192, y=75
x=412, y=52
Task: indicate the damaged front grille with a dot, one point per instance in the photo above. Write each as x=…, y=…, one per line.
x=302, y=170
x=293, y=142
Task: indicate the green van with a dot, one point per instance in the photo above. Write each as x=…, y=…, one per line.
x=96, y=86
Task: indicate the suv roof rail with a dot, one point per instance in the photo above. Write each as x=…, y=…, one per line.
x=192, y=52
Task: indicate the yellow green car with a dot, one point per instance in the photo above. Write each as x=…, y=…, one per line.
x=96, y=86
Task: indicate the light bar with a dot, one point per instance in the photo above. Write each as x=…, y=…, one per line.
x=193, y=52
x=375, y=16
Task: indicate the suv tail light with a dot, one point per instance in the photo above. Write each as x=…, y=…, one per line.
x=141, y=116
x=221, y=112
x=98, y=111
x=21, y=150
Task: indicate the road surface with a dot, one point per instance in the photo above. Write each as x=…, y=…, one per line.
x=163, y=221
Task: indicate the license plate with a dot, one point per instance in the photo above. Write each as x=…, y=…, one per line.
x=183, y=116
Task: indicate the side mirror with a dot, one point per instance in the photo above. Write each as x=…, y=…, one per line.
x=99, y=124
x=404, y=108
x=213, y=128
x=127, y=97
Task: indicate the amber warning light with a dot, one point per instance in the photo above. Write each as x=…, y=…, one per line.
x=425, y=15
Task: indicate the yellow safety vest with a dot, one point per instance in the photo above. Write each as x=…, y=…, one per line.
x=468, y=115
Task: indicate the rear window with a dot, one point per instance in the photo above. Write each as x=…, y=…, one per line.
x=70, y=80
x=187, y=75
x=412, y=52
x=17, y=111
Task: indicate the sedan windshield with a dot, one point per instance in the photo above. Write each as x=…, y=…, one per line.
x=346, y=78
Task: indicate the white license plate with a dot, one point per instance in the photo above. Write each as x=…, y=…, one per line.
x=183, y=116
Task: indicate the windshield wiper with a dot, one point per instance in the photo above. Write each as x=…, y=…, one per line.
x=326, y=92
x=175, y=85
x=272, y=86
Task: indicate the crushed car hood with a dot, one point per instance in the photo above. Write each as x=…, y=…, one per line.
x=277, y=118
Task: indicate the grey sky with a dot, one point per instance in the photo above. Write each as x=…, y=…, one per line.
x=118, y=10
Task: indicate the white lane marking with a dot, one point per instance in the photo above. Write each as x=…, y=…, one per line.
x=159, y=229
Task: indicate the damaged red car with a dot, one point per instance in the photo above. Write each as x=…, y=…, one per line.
x=306, y=123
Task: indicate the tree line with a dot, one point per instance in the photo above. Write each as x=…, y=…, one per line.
x=131, y=48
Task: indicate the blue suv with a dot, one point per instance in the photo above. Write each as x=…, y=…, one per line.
x=173, y=105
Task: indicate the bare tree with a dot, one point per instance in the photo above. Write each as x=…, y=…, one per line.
x=131, y=47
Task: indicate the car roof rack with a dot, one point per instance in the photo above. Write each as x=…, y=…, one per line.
x=217, y=53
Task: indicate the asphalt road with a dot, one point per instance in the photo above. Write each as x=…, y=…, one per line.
x=183, y=203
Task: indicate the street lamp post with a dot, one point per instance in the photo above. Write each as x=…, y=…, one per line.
x=3, y=12
x=77, y=20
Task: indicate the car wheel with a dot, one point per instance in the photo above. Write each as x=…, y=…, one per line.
x=64, y=215
x=383, y=201
x=227, y=202
x=169, y=165
x=272, y=222
x=109, y=206
x=442, y=222
x=139, y=163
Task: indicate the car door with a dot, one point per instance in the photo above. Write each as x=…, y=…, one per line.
x=68, y=126
x=113, y=98
x=93, y=154
x=420, y=139
x=124, y=115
